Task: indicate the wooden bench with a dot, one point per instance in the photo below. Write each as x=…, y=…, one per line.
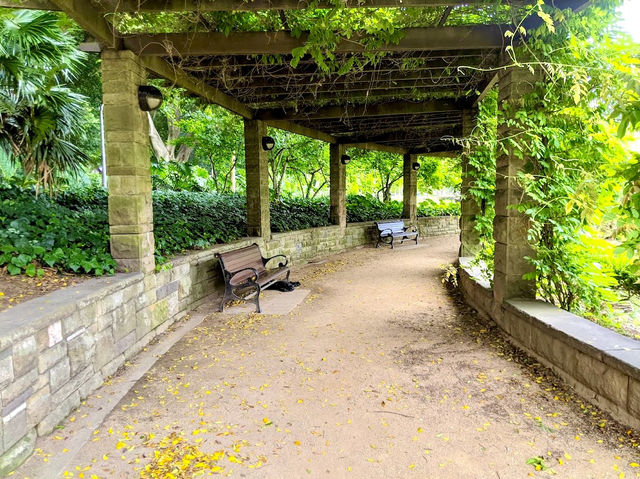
x=390, y=230
x=245, y=274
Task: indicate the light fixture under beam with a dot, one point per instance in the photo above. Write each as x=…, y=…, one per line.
x=268, y=143
x=149, y=97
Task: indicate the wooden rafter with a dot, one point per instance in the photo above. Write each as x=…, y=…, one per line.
x=90, y=19
x=253, y=5
x=380, y=109
x=475, y=37
x=377, y=147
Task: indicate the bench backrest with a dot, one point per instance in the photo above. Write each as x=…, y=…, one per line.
x=397, y=226
x=247, y=257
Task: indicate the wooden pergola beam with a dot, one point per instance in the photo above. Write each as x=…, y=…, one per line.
x=95, y=24
x=473, y=37
x=90, y=19
x=344, y=82
x=377, y=147
x=301, y=130
x=446, y=151
x=253, y=5
x=193, y=85
x=380, y=109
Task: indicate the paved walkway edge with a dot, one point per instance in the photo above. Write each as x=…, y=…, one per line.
x=106, y=398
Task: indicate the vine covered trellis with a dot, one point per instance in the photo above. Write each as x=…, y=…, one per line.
x=392, y=75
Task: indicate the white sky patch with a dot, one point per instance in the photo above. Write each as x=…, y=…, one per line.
x=630, y=23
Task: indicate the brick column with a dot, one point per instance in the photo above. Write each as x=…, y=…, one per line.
x=469, y=208
x=509, y=226
x=128, y=162
x=409, y=188
x=337, y=185
x=257, y=168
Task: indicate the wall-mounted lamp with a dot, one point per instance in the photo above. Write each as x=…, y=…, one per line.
x=149, y=97
x=268, y=143
x=345, y=159
x=415, y=166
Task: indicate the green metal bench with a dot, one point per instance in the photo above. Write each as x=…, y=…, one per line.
x=245, y=274
x=391, y=230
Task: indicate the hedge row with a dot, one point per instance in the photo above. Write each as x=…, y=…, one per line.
x=70, y=231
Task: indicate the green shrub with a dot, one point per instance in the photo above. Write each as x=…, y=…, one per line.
x=70, y=231
x=445, y=208
x=290, y=214
x=39, y=231
x=369, y=208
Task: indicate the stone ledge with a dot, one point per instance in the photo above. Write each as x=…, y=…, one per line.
x=586, y=336
x=29, y=317
x=566, y=343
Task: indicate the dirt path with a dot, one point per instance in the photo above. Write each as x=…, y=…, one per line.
x=381, y=373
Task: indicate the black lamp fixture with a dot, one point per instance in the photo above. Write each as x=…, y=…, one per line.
x=268, y=143
x=345, y=159
x=149, y=97
x=415, y=166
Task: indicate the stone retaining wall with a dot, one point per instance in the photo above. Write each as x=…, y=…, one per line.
x=55, y=350
x=602, y=365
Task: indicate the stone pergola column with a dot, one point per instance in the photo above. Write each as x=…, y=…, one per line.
x=257, y=167
x=409, y=188
x=337, y=185
x=470, y=210
x=128, y=162
x=509, y=226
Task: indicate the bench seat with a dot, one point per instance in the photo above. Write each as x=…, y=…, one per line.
x=390, y=230
x=245, y=274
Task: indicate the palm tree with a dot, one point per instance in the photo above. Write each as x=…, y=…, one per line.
x=40, y=118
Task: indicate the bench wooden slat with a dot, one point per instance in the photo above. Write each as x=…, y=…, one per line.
x=237, y=274
x=392, y=229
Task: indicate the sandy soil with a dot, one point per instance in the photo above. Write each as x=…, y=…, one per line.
x=380, y=373
x=20, y=288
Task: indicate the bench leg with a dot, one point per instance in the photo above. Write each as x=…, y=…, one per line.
x=392, y=243
x=257, y=301
x=228, y=294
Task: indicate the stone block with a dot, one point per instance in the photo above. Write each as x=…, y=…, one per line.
x=169, y=288
x=24, y=355
x=50, y=356
x=104, y=348
x=81, y=351
x=38, y=406
x=125, y=342
x=113, y=301
x=90, y=313
x=55, y=417
x=6, y=368
x=14, y=426
x=159, y=313
x=124, y=321
x=91, y=384
x=18, y=386
x=72, y=386
x=132, y=246
x=112, y=366
x=603, y=379
x=59, y=374
x=633, y=405
x=20, y=452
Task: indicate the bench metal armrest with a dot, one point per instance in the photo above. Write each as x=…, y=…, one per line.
x=251, y=280
x=385, y=231
x=266, y=260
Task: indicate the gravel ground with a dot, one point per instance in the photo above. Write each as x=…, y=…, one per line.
x=381, y=373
